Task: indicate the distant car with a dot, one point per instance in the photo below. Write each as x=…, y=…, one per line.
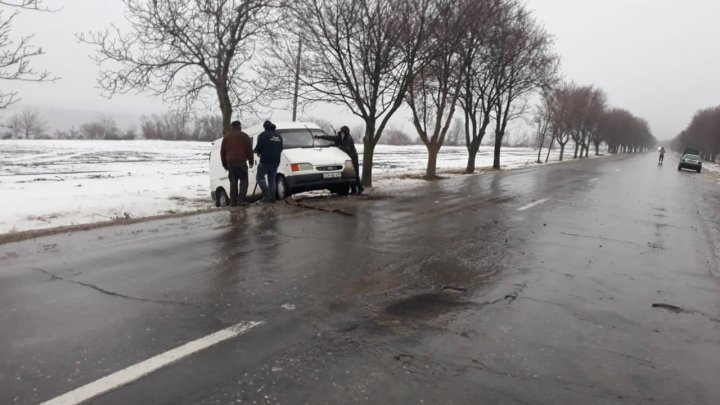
x=307, y=164
x=692, y=162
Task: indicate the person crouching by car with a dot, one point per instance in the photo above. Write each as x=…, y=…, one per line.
x=345, y=142
x=269, y=147
x=236, y=154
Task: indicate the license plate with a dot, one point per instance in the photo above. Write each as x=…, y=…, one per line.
x=331, y=175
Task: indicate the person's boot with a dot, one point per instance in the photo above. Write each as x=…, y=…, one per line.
x=267, y=198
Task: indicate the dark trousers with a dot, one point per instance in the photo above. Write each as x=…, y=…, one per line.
x=662, y=157
x=268, y=188
x=358, y=183
x=238, y=173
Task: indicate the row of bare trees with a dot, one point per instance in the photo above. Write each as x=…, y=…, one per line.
x=375, y=57
x=703, y=132
x=29, y=124
x=435, y=57
x=580, y=114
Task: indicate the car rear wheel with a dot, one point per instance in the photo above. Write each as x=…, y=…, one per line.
x=679, y=168
x=282, y=189
x=222, y=198
x=699, y=169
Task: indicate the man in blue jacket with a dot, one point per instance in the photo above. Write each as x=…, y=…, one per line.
x=269, y=147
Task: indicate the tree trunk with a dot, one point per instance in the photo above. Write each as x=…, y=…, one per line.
x=368, y=152
x=597, y=149
x=552, y=141
x=562, y=151
x=472, y=155
x=577, y=146
x=225, y=107
x=431, y=172
x=473, y=149
x=496, y=153
x=542, y=142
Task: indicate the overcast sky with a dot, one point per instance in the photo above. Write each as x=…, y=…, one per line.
x=660, y=59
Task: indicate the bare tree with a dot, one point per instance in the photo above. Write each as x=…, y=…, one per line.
x=27, y=124
x=597, y=104
x=589, y=104
x=526, y=64
x=542, y=119
x=359, y=53
x=433, y=93
x=208, y=128
x=178, y=49
x=559, y=104
x=479, y=92
x=15, y=56
x=102, y=128
x=397, y=137
x=171, y=126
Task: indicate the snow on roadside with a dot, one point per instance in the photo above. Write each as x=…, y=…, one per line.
x=46, y=184
x=712, y=171
x=56, y=183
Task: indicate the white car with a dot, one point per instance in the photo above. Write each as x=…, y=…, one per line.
x=307, y=163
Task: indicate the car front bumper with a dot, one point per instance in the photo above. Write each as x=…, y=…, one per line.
x=315, y=181
x=691, y=166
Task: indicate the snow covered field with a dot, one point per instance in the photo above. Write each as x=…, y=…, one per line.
x=46, y=184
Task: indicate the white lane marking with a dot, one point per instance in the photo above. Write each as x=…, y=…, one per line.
x=532, y=204
x=594, y=180
x=139, y=370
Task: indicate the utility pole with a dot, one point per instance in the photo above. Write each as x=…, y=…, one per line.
x=297, y=81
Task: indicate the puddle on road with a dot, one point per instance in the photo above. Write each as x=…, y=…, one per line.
x=424, y=305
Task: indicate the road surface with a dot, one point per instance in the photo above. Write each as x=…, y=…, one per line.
x=591, y=282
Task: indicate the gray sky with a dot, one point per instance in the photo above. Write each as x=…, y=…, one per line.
x=660, y=59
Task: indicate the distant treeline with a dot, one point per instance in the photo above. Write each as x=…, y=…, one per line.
x=171, y=126
x=703, y=132
x=29, y=124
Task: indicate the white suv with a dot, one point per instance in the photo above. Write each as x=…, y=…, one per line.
x=307, y=163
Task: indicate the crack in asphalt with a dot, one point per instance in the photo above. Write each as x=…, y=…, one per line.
x=55, y=277
x=508, y=298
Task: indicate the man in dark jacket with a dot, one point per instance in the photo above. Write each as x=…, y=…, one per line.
x=269, y=147
x=345, y=142
x=236, y=154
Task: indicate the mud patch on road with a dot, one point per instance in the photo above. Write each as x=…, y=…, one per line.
x=301, y=204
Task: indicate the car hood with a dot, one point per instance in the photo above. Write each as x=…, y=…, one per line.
x=316, y=156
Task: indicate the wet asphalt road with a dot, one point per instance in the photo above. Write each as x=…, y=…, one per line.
x=521, y=287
